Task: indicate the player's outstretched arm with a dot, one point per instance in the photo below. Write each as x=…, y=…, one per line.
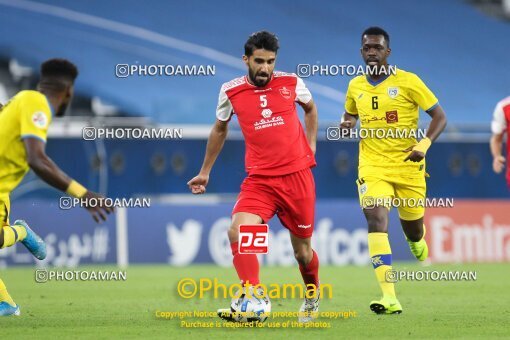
x=311, y=123
x=498, y=163
x=49, y=172
x=436, y=126
x=214, y=145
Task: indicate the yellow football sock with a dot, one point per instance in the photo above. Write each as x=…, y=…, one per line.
x=4, y=295
x=13, y=234
x=380, y=253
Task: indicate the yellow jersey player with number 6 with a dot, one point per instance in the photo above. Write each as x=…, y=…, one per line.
x=391, y=161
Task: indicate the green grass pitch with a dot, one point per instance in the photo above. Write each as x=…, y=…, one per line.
x=126, y=309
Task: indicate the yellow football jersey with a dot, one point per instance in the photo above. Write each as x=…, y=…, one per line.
x=391, y=104
x=27, y=115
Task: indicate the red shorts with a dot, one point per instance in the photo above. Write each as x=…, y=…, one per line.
x=291, y=197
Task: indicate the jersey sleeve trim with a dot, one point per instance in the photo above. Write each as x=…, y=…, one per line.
x=432, y=107
x=33, y=136
x=351, y=113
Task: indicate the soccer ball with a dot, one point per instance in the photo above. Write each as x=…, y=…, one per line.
x=255, y=306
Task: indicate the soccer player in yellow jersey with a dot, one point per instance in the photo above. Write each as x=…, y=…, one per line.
x=24, y=122
x=390, y=167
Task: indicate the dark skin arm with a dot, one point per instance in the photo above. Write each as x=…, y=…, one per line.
x=348, y=121
x=435, y=128
x=49, y=172
x=43, y=166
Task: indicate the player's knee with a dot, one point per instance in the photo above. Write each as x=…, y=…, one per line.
x=303, y=255
x=377, y=223
x=413, y=228
x=233, y=233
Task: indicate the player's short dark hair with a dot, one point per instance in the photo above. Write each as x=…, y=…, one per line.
x=61, y=69
x=261, y=40
x=374, y=30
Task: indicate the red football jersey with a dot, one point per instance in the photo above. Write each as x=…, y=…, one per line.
x=501, y=124
x=275, y=141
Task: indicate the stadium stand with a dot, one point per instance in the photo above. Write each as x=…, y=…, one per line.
x=448, y=58
x=444, y=49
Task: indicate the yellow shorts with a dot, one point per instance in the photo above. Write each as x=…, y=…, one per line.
x=406, y=194
x=5, y=208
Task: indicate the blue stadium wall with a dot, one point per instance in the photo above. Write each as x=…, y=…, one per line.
x=183, y=233
x=153, y=167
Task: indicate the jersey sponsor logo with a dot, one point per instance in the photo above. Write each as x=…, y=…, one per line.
x=266, y=113
x=265, y=123
x=372, y=119
x=391, y=117
x=286, y=93
x=393, y=92
x=39, y=119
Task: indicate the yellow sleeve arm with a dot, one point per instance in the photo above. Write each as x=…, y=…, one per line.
x=421, y=94
x=350, y=103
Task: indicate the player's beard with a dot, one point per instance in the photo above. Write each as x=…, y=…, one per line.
x=259, y=83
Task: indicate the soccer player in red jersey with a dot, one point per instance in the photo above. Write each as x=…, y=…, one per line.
x=501, y=125
x=279, y=155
